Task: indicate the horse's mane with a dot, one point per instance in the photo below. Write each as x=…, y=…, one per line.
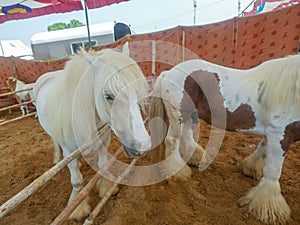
x=121, y=69
x=279, y=85
x=126, y=72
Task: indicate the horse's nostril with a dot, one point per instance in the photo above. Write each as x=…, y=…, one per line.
x=133, y=150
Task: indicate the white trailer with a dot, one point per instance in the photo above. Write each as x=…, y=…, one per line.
x=62, y=43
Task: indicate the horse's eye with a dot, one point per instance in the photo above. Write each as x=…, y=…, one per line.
x=108, y=97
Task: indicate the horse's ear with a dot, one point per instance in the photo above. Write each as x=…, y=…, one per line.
x=125, y=49
x=87, y=56
x=90, y=59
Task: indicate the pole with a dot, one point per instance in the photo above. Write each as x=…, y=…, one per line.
x=85, y=190
x=153, y=74
x=195, y=6
x=100, y=205
x=87, y=22
x=45, y=177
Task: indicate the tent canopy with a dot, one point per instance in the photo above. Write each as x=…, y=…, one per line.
x=14, y=48
x=22, y=9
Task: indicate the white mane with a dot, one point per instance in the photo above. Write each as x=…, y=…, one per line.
x=78, y=77
x=125, y=72
x=280, y=86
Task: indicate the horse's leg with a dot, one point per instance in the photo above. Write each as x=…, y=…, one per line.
x=26, y=108
x=174, y=161
x=103, y=185
x=84, y=208
x=188, y=144
x=255, y=163
x=172, y=153
x=27, y=98
x=265, y=200
x=20, y=101
x=22, y=110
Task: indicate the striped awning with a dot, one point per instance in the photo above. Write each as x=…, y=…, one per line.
x=22, y=9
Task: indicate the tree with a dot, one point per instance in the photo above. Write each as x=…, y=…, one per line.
x=75, y=23
x=61, y=25
x=57, y=26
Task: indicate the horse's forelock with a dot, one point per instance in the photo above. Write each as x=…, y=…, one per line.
x=125, y=72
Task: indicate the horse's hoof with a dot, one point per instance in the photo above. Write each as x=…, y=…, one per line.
x=197, y=156
x=104, y=186
x=184, y=174
x=266, y=203
x=82, y=211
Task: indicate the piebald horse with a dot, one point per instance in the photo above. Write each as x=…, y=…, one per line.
x=263, y=100
x=93, y=89
x=16, y=85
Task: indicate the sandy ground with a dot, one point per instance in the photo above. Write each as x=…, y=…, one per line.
x=209, y=198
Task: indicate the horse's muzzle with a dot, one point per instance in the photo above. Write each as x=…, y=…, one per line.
x=133, y=153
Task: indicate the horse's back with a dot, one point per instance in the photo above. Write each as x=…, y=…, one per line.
x=43, y=79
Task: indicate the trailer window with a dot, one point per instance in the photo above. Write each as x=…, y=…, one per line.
x=75, y=46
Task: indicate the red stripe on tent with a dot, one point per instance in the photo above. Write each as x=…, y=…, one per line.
x=62, y=7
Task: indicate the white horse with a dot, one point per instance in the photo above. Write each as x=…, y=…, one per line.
x=22, y=96
x=264, y=100
x=93, y=89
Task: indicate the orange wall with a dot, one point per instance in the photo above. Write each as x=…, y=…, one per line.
x=241, y=42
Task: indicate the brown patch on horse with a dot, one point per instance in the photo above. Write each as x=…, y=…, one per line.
x=291, y=134
x=11, y=83
x=202, y=94
x=242, y=118
x=27, y=97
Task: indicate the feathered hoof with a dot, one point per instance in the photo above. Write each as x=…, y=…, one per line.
x=183, y=174
x=197, y=156
x=254, y=166
x=82, y=211
x=104, y=186
x=266, y=203
x=174, y=166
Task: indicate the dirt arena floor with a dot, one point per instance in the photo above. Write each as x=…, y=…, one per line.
x=209, y=198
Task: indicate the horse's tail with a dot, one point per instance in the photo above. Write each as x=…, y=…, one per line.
x=157, y=116
x=57, y=152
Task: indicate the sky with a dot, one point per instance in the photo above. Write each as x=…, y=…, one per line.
x=144, y=16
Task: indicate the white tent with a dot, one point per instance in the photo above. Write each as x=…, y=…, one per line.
x=15, y=48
